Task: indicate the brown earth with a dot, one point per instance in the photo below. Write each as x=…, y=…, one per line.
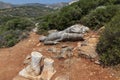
x=11, y=61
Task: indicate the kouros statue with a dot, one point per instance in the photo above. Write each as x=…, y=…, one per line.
x=73, y=33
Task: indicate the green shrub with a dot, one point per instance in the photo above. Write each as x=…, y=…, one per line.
x=14, y=30
x=19, y=23
x=100, y=16
x=72, y=14
x=10, y=38
x=109, y=44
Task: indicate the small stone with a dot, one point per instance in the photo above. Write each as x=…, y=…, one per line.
x=63, y=77
x=87, y=52
x=64, y=46
x=66, y=52
x=106, y=77
x=53, y=50
x=84, y=44
x=29, y=40
x=79, y=44
x=35, y=29
x=38, y=44
x=101, y=30
x=52, y=31
x=27, y=59
x=91, y=74
x=97, y=62
x=110, y=76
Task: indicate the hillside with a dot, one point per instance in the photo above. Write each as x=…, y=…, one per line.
x=25, y=11
x=52, y=6
x=100, y=12
x=57, y=5
x=16, y=22
x=79, y=41
x=5, y=5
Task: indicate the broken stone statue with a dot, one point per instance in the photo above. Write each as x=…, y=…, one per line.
x=34, y=72
x=48, y=70
x=33, y=69
x=73, y=33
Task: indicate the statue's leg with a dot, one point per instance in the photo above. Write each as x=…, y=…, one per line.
x=50, y=42
x=58, y=40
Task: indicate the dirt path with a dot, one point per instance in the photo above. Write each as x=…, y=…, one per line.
x=11, y=59
x=11, y=62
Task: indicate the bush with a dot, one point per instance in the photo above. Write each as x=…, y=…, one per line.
x=14, y=30
x=100, y=16
x=19, y=23
x=109, y=44
x=72, y=14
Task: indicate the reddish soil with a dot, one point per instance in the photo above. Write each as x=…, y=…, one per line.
x=11, y=62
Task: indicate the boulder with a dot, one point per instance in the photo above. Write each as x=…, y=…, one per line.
x=90, y=53
x=87, y=49
x=66, y=52
x=53, y=50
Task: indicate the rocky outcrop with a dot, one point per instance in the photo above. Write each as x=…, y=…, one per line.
x=34, y=70
x=87, y=49
x=73, y=33
x=4, y=5
x=63, y=52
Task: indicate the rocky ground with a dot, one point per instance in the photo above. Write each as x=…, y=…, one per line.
x=75, y=64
